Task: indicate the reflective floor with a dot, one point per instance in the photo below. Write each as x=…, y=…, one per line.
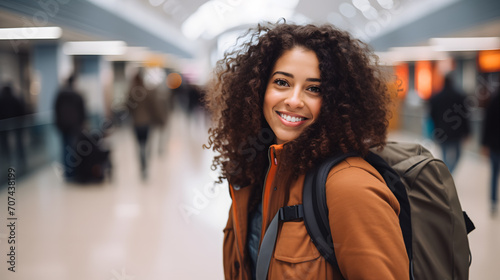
x=170, y=225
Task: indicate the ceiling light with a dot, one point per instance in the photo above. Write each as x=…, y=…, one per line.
x=95, y=48
x=214, y=17
x=371, y=13
x=137, y=54
x=414, y=54
x=362, y=5
x=28, y=33
x=465, y=44
x=386, y=4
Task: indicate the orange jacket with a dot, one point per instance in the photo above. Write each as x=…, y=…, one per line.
x=363, y=216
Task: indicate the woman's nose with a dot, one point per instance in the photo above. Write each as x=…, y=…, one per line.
x=294, y=99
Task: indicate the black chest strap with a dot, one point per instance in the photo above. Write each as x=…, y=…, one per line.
x=285, y=214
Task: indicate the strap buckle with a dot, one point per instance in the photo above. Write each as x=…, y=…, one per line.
x=290, y=213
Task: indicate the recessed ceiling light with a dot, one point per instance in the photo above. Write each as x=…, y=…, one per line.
x=465, y=43
x=30, y=33
x=95, y=48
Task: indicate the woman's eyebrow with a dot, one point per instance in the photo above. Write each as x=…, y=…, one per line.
x=283, y=73
x=313, y=80
x=291, y=76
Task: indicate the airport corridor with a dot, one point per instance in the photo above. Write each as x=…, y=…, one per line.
x=168, y=226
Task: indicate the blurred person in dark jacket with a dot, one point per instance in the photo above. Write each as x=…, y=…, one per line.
x=70, y=117
x=11, y=111
x=450, y=116
x=491, y=145
x=142, y=104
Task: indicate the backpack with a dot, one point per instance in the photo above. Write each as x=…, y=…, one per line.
x=433, y=224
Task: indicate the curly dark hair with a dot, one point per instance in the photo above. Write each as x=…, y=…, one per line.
x=353, y=115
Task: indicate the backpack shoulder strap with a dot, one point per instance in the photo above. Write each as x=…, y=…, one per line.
x=284, y=214
x=317, y=228
x=316, y=209
x=393, y=181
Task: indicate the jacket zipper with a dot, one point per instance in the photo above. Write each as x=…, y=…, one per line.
x=264, y=191
x=242, y=265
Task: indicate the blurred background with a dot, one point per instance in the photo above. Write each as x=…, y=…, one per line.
x=101, y=128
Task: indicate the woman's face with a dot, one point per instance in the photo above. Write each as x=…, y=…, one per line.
x=292, y=100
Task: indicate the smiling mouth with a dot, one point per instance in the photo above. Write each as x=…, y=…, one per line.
x=289, y=118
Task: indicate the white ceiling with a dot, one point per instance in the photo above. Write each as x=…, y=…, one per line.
x=366, y=19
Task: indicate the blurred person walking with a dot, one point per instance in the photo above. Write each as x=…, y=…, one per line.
x=491, y=145
x=70, y=115
x=164, y=99
x=145, y=110
x=449, y=115
x=11, y=110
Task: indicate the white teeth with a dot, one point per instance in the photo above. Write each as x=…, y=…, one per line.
x=290, y=118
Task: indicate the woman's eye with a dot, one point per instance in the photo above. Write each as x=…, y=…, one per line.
x=281, y=83
x=315, y=89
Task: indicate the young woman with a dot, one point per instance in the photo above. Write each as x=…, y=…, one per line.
x=289, y=98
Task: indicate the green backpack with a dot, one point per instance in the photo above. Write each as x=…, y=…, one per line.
x=433, y=224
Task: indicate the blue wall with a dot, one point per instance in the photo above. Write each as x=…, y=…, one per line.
x=45, y=62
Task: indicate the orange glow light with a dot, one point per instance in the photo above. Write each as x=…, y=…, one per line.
x=423, y=79
x=402, y=76
x=174, y=80
x=489, y=61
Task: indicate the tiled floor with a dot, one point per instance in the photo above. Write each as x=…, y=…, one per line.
x=170, y=226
